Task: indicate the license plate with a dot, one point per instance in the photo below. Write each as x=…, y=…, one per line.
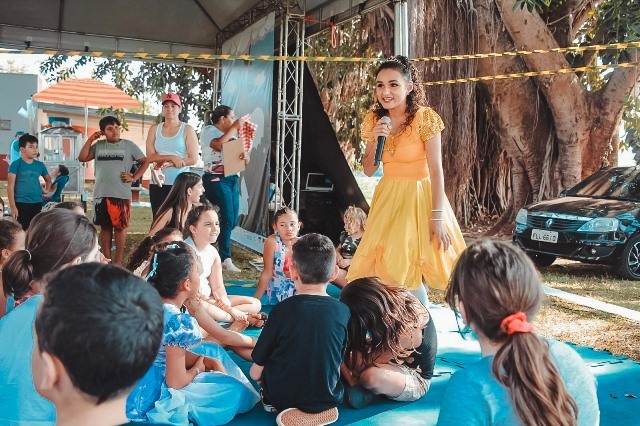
x=543, y=235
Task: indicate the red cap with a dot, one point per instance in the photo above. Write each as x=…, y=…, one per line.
x=173, y=98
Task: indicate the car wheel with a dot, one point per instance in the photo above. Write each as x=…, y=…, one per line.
x=542, y=260
x=629, y=264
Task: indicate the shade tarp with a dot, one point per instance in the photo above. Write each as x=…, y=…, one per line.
x=86, y=92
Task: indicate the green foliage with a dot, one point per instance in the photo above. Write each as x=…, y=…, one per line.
x=631, y=120
x=532, y=5
x=346, y=88
x=620, y=20
x=119, y=113
x=142, y=80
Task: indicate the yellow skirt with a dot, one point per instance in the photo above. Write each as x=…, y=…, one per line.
x=397, y=246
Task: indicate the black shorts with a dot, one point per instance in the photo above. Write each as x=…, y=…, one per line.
x=26, y=213
x=112, y=212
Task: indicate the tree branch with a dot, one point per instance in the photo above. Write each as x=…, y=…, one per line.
x=622, y=82
x=566, y=96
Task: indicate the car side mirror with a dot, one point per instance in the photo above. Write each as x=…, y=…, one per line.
x=564, y=192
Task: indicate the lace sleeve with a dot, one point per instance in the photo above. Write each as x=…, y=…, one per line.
x=366, y=130
x=431, y=124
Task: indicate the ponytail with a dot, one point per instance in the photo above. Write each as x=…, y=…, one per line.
x=524, y=366
x=147, y=246
x=17, y=274
x=55, y=238
x=500, y=288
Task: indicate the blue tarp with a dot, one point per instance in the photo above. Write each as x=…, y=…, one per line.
x=618, y=379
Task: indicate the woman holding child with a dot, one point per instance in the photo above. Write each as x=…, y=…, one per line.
x=412, y=235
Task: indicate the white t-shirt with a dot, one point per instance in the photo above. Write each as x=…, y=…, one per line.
x=207, y=257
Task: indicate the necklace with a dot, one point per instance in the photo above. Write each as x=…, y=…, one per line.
x=392, y=143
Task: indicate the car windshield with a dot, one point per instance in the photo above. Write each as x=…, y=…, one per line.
x=620, y=182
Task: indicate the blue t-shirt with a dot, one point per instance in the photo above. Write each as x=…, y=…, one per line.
x=15, y=151
x=27, y=188
x=60, y=182
x=474, y=397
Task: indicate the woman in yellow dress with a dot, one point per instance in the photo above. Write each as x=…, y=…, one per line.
x=412, y=235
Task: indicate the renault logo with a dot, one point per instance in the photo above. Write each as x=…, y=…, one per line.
x=548, y=223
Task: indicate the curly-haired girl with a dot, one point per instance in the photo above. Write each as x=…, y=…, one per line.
x=412, y=235
x=391, y=343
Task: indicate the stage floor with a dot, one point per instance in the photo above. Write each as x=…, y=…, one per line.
x=618, y=379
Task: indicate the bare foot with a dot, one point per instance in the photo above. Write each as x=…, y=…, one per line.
x=238, y=326
x=257, y=320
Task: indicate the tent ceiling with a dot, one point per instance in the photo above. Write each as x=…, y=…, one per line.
x=167, y=26
x=152, y=26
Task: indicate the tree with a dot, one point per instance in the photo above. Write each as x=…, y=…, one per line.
x=554, y=130
x=346, y=89
x=142, y=80
x=507, y=142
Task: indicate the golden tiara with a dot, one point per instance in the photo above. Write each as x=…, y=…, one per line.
x=396, y=60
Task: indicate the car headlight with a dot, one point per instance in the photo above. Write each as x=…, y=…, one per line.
x=521, y=217
x=602, y=224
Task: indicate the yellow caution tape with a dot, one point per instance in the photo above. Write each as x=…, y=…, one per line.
x=227, y=57
x=597, y=47
x=531, y=74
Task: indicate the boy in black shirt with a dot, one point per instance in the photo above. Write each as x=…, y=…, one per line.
x=298, y=355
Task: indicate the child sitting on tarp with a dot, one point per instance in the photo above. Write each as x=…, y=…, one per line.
x=355, y=220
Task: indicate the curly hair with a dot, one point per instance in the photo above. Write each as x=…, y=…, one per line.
x=415, y=98
x=355, y=216
x=380, y=316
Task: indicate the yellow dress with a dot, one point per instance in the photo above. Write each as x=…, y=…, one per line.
x=396, y=244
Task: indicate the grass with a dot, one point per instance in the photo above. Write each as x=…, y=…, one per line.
x=557, y=318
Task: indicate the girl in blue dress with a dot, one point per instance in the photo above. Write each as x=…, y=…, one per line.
x=190, y=380
x=278, y=250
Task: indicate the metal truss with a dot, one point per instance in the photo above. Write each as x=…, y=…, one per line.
x=289, y=113
x=244, y=21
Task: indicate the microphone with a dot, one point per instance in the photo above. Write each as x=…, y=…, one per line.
x=381, y=141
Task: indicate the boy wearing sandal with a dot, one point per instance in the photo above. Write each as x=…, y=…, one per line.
x=298, y=355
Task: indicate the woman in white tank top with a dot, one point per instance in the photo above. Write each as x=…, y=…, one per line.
x=172, y=146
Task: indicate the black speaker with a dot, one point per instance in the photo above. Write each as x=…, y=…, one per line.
x=319, y=213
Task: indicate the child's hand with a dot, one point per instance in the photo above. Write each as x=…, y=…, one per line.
x=14, y=212
x=344, y=263
x=200, y=364
x=96, y=136
x=212, y=364
x=194, y=304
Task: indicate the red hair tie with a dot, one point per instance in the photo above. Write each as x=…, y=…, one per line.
x=516, y=323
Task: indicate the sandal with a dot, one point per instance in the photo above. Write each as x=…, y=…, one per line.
x=257, y=320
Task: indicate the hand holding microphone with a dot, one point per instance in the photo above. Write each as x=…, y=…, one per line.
x=382, y=129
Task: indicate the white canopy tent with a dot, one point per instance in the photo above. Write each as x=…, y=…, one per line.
x=143, y=29
x=151, y=26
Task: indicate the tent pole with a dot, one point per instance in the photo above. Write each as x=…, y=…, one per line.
x=86, y=121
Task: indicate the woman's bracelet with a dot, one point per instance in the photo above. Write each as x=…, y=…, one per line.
x=197, y=371
x=435, y=219
x=437, y=210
